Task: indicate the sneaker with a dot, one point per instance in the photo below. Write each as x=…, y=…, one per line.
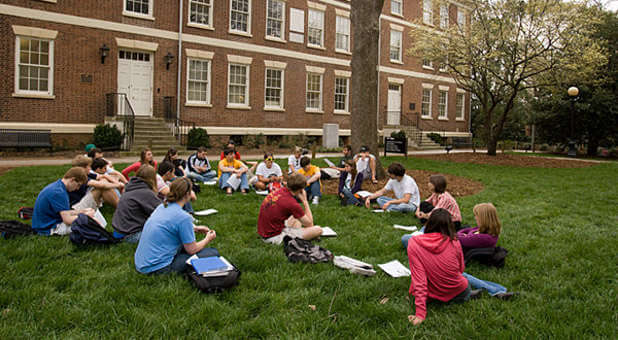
x=475, y=294
x=504, y=296
x=316, y=200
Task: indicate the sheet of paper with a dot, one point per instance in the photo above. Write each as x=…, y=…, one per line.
x=234, y=181
x=99, y=217
x=205, y=212
x=329, y=162
x=377, y=210
x=328, y=231
x=395, y=269
x=190, y=259
x=213, y=182
x=355, y=262
x=262, y=192
x=405, y=227
x=363, y=193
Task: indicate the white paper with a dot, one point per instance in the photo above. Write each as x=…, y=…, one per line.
x=262, y=192
x=377, y=210
x=234, y=181
x=405, y=227
x=328, y=231
x=363, y=193
x=395, y=269
x=354, y=262
x=329, y=162
x=213, y=182
x=99, y=218
x=205, y=212
x=191, y=259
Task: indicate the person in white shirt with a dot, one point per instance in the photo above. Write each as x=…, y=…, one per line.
x=294, y=160
x=405, y=189
x=267, y=172
x=366, y=164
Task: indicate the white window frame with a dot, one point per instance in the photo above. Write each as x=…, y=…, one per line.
x=50, y=74
x=271, y=37
x=346, y=109
x=279, y=107
x=461, y=19
x=346, y=35
x=207, y=102
x=309, y=28
x=399, y=46
x=244, y=105
x=320, y=93
x=442, y=114
x=426, y=87
x=428, y=65
x=148, y=16
x=444, y=16
x=428, y=12
x=208, y=25
x=237, y=31
x=461, y=113
x=400, y=2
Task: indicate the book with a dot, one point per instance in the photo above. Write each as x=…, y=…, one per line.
x=221, y=272
x=395, y=269
x=205, y=212
x=329, y=162
x=328, y=232
x=208, y=264
x=405, y=227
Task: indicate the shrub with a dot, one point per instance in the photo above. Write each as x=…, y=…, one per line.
x=436, y=138
x=198, y=137
x=399, y=135
x=107, y=136
x=256, y=141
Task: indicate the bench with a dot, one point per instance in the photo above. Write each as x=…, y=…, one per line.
x=16, y=138
x=462, y=142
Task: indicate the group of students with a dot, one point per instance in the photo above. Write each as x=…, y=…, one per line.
x=152, y=208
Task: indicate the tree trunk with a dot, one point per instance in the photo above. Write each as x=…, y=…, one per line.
x=593, y=145
x=492, y=145
x=365, y=19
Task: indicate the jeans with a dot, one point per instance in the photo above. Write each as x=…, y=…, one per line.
x=244, y=184
x=313, y=190
x=202, y=177
x=188, y=207
x=349, y=197
x=401, y=207
x=179, y=265
x=132, y=238
x=491, y=287
x=405, y=238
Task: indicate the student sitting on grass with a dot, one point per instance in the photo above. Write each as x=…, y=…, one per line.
x=230, y=145
x=52, y=213
x=280, y=214
x=347, y=155
x=404, y=187
x=232, y=167
x=97, y=188
x=100, y=170
x=440, y=198
x=168, y=238
x=145, y=158
x=349, y=183
x=165, y=176
x=179, y=164
x=366, y=164
x=437, y=268
x=198, y=166
x=294, y=160
x=268, y=172
x=95, y=153
x=312, y=174
x=486, y=234
x=136, y=205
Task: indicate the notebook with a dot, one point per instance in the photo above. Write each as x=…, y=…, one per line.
x=328, y=232
x=234, y=181
x=395, y=269
x=208, y=264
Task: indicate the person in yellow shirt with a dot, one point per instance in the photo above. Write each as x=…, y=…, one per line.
x=228, y=167
x=312, y=174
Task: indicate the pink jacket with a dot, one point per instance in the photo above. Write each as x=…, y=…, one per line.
x=436, y=265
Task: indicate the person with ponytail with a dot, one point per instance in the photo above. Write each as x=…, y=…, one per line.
x=168, y=238
x=144, y=158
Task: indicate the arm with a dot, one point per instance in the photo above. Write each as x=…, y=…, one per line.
x=344, y=175
x=194, y=247
x=263, y=179
x=105, y=185
x=404, y=199
x=120, y=177
x=374, y=196
x=315, y=177
x=358, y=182
x=307, y=219
x=418, y=286
x=472, y=240
x=131, y=168
x=372, y=166
x=68, y=216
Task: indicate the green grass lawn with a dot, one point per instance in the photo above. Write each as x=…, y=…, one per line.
x=559, y=226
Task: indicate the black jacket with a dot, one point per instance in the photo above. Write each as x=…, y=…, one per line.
x=134, y=207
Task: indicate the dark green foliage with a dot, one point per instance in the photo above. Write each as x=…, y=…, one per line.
x=399, y=135
x=107, y=136
x=198, y=137
x=437, y=138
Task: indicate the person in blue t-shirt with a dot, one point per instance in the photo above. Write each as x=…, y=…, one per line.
x=168, y=237
x=52, y=212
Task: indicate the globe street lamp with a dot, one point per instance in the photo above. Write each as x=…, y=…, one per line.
x=573, y=92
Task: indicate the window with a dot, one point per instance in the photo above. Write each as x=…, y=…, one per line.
x=442, y=105
x=426, y=103
x=273, y=97
x=240, y=16
x=395, y=51
x=461, y=19
x=427, y=63
x=397, y=7
x=459, y=106
x=428, y=12
x=35, y=66
x=314, y=92
x=341, y=94
x=275, y=19
x=200, y=12
x=198, y=81
x=238, y=85
x=443, y=16
x=315, y=32
x=139, y=7
x=343, y=34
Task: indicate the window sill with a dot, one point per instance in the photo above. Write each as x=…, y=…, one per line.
x=34, y=95
x=341, y=112
x=427, y=67
x=238, y=107
x=396, y=62
x=138, y=16
x=275, y=39
x=443, y=118
x=460, y=119
x=274, y=109
x=427, y=117
x=343, y=52
x=428, y=24
x=190, y=104
x=317, y=47
x=316, y=111
x=241, y=33
x=399, y=15
x=52, y=1
x=201, y=26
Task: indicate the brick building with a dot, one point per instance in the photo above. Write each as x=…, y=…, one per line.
x=233, y=67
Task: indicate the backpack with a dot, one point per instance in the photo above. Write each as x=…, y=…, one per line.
x=214, y=284
x=299, y=250
x=487, y=256
x=86, y=230
x=10, y=229
x=25, y=213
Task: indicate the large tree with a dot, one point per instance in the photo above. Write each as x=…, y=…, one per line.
x=508, y=47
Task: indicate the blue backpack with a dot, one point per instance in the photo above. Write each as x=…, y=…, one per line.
x=86, y=230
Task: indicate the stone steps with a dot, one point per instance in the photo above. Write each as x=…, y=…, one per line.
x=154, y=134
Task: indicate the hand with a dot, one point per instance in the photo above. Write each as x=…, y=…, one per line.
x=88, y=211
x=201, y=229
x=238, y=175
x=373, y=179
x=211, y=235
x=386, y=205
x=367, y=202
x=119, y=185
x=414, y=320
x=302, y=195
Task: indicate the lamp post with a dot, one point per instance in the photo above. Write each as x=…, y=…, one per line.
x=573, y=92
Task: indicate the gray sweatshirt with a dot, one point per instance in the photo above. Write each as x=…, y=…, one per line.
x=134, y=207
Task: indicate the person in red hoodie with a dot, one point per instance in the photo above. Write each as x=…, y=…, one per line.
x=437, y=267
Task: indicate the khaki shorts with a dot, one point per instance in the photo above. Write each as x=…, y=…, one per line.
x=86, y=202
x=292, y=232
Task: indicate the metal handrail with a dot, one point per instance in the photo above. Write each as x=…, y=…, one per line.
x=180, y=128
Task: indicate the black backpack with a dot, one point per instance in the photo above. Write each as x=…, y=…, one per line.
x=214, y=284
x=487, y=256
x=86, y=230
x=25, y=213
x=10, y=229
x=299, y=250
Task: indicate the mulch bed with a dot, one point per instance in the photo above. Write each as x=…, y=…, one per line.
x=508, y=160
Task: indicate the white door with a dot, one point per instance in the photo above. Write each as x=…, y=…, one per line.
x=393, y=109
x=135, y=79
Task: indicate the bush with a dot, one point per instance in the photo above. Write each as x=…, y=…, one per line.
x=107, y=136
x=256, y=141
x=400, y=135
x=436, y=138
x=198, y=137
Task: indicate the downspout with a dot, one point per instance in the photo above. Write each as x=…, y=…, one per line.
x=179, y=76
x=378, y=76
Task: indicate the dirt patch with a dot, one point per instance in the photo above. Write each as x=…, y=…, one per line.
x=457, y=186
x=3, y=170
x=508, y=160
